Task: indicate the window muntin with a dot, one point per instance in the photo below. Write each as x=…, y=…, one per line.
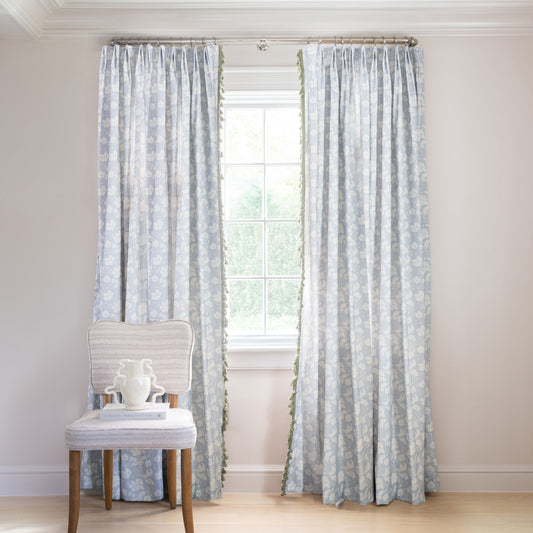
x=262, y=209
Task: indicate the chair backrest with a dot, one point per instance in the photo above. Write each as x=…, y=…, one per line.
x=168, y=344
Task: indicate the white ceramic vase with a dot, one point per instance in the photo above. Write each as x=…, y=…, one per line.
x=135, y=383
x=135, y=386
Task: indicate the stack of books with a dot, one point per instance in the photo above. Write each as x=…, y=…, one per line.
x=118, y=411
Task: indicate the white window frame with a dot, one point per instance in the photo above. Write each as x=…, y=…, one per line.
x=261, y=352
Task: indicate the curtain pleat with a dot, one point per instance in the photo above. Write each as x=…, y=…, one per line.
x=160, y=252
x=362, y=426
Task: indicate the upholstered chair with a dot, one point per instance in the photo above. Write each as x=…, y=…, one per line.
x=169, y=345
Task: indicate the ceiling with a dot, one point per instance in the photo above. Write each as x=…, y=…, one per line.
x=52, y=19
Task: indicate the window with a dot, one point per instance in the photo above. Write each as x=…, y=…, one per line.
x=262, y=209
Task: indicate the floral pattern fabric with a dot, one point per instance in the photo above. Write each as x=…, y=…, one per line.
x=362, y=427
x=160, y=251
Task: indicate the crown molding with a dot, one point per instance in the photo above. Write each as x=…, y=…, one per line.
x=457, y=5
x=30, y=15
x=262, y=19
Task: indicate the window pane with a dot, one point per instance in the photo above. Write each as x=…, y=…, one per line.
x=244, y=135
x=282, y=135
x=245, y=302
x=283, y=249
x=244, y=248
x=244, y=197
x=283, y=192
x=283, y=303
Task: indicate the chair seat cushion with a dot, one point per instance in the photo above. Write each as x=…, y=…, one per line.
x=176, y=432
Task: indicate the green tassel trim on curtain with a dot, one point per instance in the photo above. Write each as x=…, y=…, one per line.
x=224, y=255
x=292, y=400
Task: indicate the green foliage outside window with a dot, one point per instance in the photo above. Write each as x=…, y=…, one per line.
x=262, y=206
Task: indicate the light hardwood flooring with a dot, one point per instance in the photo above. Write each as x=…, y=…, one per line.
x=261, y=513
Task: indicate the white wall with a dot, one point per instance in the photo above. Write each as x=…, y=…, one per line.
x=48, y=120
x=479, y=116
x=479, y=113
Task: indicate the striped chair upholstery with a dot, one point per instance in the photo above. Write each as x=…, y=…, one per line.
x=169, y=345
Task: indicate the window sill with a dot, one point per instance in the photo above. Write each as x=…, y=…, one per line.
x=262, y=343
x=261, y=352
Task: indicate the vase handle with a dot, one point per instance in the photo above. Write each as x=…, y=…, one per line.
x=119, y=376
x=160, y=390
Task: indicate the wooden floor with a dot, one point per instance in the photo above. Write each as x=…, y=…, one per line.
x=261, y=513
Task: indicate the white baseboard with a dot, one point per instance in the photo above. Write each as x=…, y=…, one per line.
x=470, y=478
x=33, y=480
x=486, y=478
x=266, y=479
x=262, y=479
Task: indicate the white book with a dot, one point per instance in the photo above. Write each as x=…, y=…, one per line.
x=118, y=411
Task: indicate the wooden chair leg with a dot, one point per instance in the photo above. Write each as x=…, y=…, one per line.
x=74, y=490
x=186, y=490
x=108, y=466
x=171, y=477
x=108, y=478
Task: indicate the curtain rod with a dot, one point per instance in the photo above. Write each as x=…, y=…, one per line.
x=264, y=44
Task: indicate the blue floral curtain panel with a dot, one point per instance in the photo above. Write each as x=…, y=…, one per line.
x=362, y=426
x=160, y=245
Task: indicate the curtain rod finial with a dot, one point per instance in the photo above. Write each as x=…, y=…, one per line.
x=263, y=45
